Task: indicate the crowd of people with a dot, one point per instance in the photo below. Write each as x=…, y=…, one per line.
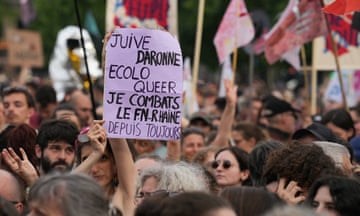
x=245, y=155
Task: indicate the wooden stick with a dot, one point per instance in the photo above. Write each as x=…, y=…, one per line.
x=306, y=81
x=199, y=29
x=338, y=69
x=314, y=81
x=234, y=63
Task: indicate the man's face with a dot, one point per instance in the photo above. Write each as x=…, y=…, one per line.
x=16, y=109
x=58, y=155
x=289, y=121
x=84, y=109
x=46, y=112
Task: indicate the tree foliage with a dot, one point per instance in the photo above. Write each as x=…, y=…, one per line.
x=55, y=15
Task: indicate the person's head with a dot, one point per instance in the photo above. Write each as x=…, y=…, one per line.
x=355, y=116
x=144, y=146
x=201, y=120
x=11, y=190
x=45, y=101
x=104, y=170
x=188, y=203
x=192, y=140
x=99, y=90
x=205, y=157
x=335, y=196
x=340, y=122
x=7, y=208
x=246, y=135
x=314, y=132
x=56, y=145
x=279, y=114
x=231, y=167
x=23, y=136
x=173, y=177
x=67, y=195
x=293, y=210
x=297, y=162
x=19, y=105
x=67, y=112
x=2, y=116
x=250, y=201
x=83, y=106
x=338, y=152
x=146, y=160
x=257, y=160
x=256, y=105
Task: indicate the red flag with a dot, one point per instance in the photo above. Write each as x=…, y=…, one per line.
x=340, y=7
x=235, y=30
x=303, y=23
x=153, y=14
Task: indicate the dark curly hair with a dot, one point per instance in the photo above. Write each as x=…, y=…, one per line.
x=301, y=163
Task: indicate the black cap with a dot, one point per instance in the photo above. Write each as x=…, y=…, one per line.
x=200, y=116
x=273, y=106
x=321, y=132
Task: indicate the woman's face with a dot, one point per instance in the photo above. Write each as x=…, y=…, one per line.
x=241, y=142
x=227, y=172
x=191, y=144
x=323, y=202
x=104, y=170
x=343, y=134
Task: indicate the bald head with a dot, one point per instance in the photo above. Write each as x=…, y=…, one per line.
x=82, y=104
x=10, y=189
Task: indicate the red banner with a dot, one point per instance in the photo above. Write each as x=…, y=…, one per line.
x=142, y=13
x=340, y=7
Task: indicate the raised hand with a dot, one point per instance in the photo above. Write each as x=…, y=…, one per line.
x=97, y=135
x=231, y=91
x=290, y=193
x=22, y=167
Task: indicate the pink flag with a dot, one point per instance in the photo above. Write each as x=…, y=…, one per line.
x=235, y=30
x=301, y=23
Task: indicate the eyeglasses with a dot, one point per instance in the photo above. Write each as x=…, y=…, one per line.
x=158, y=193
x=226, y=164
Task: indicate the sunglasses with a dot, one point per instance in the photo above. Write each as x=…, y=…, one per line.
x=226, y=164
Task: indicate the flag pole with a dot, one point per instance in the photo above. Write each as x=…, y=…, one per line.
x=306, y=81
x=336, y=56
x=234, y=63
x=338, y=69
x=235, y=52
x=314, y=76
x=199, y=29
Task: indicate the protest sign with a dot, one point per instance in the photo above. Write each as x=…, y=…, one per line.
x=351, y=79
x=24, y=48
x=143, y=85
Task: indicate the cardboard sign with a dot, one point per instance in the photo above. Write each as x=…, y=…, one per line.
x=143, y=85
x=24, y=48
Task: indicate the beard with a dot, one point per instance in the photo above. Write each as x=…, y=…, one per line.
x=47, y=166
